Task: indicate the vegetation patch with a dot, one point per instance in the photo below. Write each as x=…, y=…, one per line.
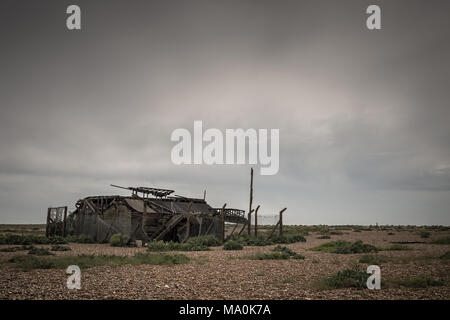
x=84, y=261
x=424, y=234
x=14, y=249
x=396, y=247
x=277, y=253
x=324, y=237
x=348, y=278
x=40, y=251
x=81, y=238
x=118, y=240
x=345, y=247
x=233, y=245
x=201, y=243
x=18, y=239
x=445, y=256
x=417, y=282
x=292, y=254
x=441, y=241
x=262, y=240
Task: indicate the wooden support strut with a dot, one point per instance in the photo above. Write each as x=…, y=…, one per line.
x=47, y=228
x=188, y=221
x=245, y=225
x=256, y=221
x=279, y=223
x=222, y=214
x=251, y=200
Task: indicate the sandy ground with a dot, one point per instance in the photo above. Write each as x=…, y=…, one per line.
x=219, y=274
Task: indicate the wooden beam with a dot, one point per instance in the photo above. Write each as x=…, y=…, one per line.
x=64, y=222
x=47, y=228
x=223, y=222
x=251, y=200
x=256, y=221
x=281, y=221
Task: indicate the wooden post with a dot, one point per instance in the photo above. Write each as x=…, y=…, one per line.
x=188, y=225
x=223, y=222
x=204, y=194
x=256, y=221
x=251, y=200
x=188, y=221
x=47, y=227
x=281, y=221
x=64, y=222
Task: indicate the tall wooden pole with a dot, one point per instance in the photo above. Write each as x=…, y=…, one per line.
x=281, y=221
x=223, y=222
x=256, y=221
x=47, y=227
x=251, y=200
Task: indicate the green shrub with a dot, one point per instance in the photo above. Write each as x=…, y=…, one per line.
x=261, y=240
x=14, y=249
x=291, y=253
x=40, y=251
x=418, y=282
x=84, y=261
x=157, y=246
x=81, y=238
x=324, y=237
x=284, y=239
x=348, y=278
x=206, y=241
x=232, y=245
x=57, y=240
x=193, y=245
x=27, y=263
x=118, y=240
x=424, y=234
x=345, y=247
x=23, y=239
x=441, y=241
x=445, y=256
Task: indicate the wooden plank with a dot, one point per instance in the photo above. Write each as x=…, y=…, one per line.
x=223, y=222
x=256, y=221
x=251, y=200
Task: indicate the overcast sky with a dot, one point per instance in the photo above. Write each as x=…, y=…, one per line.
x=363, y=115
